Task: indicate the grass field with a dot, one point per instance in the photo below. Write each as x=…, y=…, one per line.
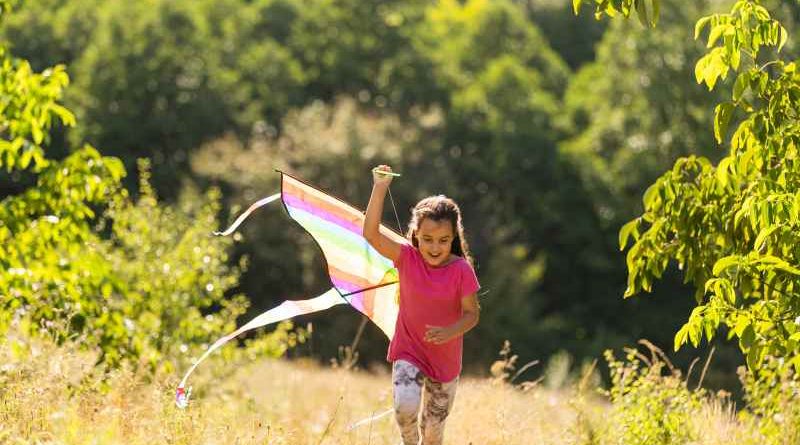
x=50, y=396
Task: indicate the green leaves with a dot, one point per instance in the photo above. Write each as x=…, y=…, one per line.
x=741, y=84
x=650, y=401
x=642, y=12
x=625, y=232
x=28, y=111
x=647, y=11
x=755, y=356
x=722, y=117
x=700, y=25
x=761, y=240
x=744, y=31
x=733, y=229
x=681, y=337
x=711, y=67
x=784, y=37
x=79, y=259
x=725, y=263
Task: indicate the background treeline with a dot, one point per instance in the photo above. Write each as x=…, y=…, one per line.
x=546, y=127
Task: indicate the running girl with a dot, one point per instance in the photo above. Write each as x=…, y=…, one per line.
x=438, y=304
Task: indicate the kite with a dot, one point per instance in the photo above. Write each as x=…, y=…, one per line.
x=359, y=275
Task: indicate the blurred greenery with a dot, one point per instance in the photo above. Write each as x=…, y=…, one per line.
x=546, y=126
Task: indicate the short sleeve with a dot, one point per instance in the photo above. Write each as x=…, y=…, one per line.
x=406, y=250
x=469, y=281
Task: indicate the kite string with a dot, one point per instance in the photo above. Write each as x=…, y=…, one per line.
x=399, y=227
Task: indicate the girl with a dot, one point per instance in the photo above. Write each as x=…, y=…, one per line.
x=438, y=304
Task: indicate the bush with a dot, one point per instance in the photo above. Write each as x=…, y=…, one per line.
x=651, y=404
x=140, y=282
x=772, y=394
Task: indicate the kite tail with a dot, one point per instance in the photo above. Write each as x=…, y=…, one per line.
x=284, y=311
x=243, y=216
x=370, y=419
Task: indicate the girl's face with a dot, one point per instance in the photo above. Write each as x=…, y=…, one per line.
x=435, y=239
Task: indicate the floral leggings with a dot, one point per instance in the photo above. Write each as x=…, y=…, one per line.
x=437, y=399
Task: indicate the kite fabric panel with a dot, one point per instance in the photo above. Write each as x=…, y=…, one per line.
x=359, y=274
x=365, y=278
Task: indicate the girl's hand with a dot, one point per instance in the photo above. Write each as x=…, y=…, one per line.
x=438, y=335
x=381, y=179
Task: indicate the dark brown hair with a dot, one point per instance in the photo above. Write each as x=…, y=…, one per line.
x=440, y=208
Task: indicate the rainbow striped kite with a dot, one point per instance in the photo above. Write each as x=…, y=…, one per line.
x=360, y=276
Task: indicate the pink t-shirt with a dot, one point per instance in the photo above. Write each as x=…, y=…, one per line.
x=430, y=296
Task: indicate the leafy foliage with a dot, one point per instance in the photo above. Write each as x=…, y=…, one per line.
x=771, y=396
x=647, y=11
x=164, y=275
x=651, y=403
x=474, y=99
x=731, y=227
x=43, y=229
x=140, y=281
x=29, y=110
x=572, y=36
x=628, y=113
x=184, y=72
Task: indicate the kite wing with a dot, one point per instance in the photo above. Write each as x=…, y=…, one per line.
x=359, y=274
x=365, y=278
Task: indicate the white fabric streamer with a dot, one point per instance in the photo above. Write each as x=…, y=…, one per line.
x=251, y=209
x=370, y=419
x=284, y=311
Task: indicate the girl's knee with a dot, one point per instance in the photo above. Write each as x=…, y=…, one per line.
x=406, y=407
x=407, y=390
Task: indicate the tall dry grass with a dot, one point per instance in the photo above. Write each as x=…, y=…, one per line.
x=51, y=395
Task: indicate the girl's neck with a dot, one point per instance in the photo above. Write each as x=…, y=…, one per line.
x=452, y=258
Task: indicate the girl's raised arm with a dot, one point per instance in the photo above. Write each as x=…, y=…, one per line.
x=382, y=243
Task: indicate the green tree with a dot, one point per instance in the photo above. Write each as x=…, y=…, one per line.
x=647, y=11
x=636, y=109
x=731, y=227
x=572, y=37
x=139, y=281
x=47, y=32
x=184, y=73
x=43, y=229
x=362, y=48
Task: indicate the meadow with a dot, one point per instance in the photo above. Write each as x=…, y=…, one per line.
x=568, y=132
x=54, y=395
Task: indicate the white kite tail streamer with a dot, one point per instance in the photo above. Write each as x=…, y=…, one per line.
x=370, y=419
x=243, y=216
x=284, y=311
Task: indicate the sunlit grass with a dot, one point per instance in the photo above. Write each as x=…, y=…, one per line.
x=50, y=395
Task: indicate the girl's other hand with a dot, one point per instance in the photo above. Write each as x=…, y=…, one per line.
x=381, y=179
x=437, y=335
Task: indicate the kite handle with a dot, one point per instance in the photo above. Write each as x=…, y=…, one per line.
x=384, y=172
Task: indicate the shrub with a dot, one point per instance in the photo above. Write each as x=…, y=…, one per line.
x=772, y=394
x=651, y=404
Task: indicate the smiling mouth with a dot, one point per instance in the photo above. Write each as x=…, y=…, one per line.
x=435, y=257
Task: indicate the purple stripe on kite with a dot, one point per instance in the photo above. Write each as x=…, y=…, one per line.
x=344, y=286
x=357, y=301
x=294, y=202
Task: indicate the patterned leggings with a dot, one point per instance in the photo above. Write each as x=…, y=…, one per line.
x=437, y=399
